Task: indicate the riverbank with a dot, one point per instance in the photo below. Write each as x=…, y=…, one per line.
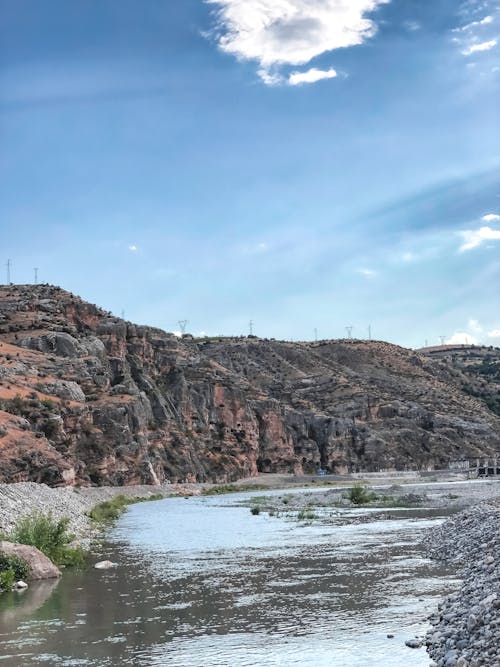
x=466, y=628
x=22, y=498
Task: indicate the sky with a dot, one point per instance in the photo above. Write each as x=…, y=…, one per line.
x=308, y=165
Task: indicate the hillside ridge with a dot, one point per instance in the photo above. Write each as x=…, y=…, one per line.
x=88, y=398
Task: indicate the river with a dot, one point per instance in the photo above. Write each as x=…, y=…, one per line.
x=201, y=582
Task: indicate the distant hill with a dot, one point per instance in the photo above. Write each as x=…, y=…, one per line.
x=480, y=366
x=88, y=398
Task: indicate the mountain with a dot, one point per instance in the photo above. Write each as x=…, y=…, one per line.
x=88, y=398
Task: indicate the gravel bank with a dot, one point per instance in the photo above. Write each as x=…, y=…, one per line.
x=466, y=628
x=17, y=500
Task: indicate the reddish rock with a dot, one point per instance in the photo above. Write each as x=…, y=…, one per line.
x=41, y=567
x=88, y=398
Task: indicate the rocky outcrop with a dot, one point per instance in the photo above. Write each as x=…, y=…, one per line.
x=40, y=566
x=88, y=398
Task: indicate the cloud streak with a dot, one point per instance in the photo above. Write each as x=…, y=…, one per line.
x=281, y=33
x=478, y=48
x=475, y=237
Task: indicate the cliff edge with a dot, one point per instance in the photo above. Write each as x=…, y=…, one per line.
x=88, y=398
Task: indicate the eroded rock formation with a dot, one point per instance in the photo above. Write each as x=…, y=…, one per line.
x=88, y=398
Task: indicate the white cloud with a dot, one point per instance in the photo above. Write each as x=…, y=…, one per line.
x=278, y=33
x=475, y=326
x=494, y=333
x=474, y=24
x=311, y=76
x=132, y=248
x=490, y=217
x=474, y=237
x=368, y=273
x=461, y=338
x=476, y=48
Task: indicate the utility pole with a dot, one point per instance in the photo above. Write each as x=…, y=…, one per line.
x=349, y=331
x=182, y=324
x=36, y=274
x=9, y=265
x=315, y=334
x=250, y=327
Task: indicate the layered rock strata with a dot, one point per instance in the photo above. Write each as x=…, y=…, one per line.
x=88, y=398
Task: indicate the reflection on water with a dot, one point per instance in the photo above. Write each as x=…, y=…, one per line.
x=203, y=583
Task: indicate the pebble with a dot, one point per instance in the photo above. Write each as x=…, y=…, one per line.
x=465, y=630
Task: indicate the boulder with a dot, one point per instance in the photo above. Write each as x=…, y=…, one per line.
x=41, y=567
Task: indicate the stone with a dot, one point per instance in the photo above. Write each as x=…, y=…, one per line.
x=41, y=567
x=20, y=585
x=413, y=643
x=104, y=565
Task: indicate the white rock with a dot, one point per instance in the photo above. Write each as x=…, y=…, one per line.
x=20, y=585
x=104, y=565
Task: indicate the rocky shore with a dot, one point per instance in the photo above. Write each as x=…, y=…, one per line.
x=466, y=628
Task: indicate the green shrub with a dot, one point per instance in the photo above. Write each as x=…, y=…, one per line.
x=358, y=495
x=19, y=567
x=306, y=514
x=233, y=488
x=255, y=510
x=50, y=536
x=7, y=578
x=110, y=510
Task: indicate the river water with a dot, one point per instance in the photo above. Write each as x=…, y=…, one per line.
x=201, y=582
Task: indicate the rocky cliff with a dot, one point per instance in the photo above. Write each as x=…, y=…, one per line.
x=88, y=398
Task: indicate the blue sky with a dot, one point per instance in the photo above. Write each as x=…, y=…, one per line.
x=301, y=164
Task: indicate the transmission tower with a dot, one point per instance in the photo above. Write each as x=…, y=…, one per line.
x=250, y=327
x=349, y=331
x=369, y=332
x=9, y=266
x=182, y=324
x=442, y=339
x=35, y=270
x=315, y=334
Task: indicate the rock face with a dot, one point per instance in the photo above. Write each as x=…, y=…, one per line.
x=88, y=398
x=41, y=567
